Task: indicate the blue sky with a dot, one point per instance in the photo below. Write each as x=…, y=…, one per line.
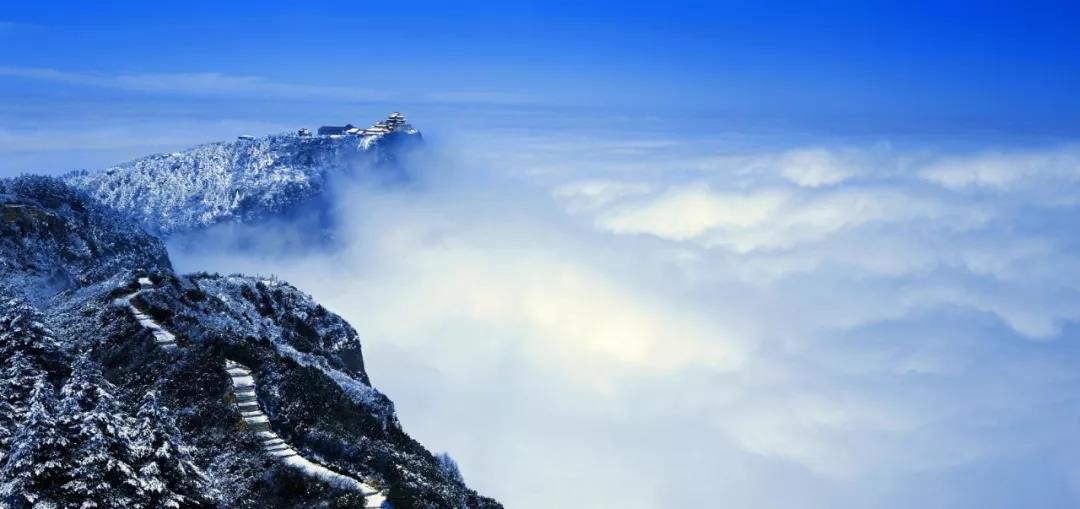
x=891, y=66
x=799, y=255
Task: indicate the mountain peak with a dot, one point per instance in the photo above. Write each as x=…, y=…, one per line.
x=247, y=178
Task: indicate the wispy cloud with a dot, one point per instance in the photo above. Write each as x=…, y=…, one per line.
x=1007, y=170
x=775, y=218
x=200, y=83
x=479, y=97
x=220, y=84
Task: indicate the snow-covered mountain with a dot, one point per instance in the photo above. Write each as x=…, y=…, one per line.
x=54, y=238
x=242, y=180
x=125, y=384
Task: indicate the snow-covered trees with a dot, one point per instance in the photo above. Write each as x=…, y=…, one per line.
x=85, y=450
x=16, y=382
x=227, y=181
x=101, y=438
x=218, y=181
x=22, y=331
x=23, y=341
x=449, y=466
x=169, y=477
x=40, y=461
x=54, y=237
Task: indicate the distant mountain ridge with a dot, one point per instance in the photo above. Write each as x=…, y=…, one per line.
x=242, y=180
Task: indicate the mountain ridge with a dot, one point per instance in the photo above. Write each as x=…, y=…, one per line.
x=242, y=180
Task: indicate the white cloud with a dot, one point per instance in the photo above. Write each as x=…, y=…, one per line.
x=774, y=218
x=724, y=331
x=590, y=195
x=1006, y=170
x=558, y=305
x=689, y=211
x=814, y=167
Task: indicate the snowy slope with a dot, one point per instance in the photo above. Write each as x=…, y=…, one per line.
x=297, y=327
x=244, y=386
x=239, y=180
x=54, y=238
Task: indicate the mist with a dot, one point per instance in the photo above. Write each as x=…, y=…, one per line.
x=631, y=319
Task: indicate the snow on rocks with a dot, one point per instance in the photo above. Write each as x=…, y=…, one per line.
x=290, y=306
x=247, y=403
x=162, y=337
x=233, y=180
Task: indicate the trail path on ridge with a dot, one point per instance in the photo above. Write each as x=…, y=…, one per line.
x=162, y=337
x=247, y=403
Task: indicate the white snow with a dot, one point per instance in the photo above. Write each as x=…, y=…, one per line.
x=222, y=181
x=162, y=337
x=243, y=381
x=355, y=389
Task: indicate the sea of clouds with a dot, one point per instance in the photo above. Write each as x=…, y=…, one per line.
x=638, y=319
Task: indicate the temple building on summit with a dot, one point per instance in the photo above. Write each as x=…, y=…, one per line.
x=391, y=123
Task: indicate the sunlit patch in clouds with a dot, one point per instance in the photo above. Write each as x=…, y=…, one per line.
x=644, y=323
x=556, y=308
x=687, y=212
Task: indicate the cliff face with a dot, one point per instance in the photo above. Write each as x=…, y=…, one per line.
x=240, y=181
x=259, y=396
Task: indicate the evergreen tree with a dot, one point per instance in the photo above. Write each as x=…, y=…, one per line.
x=101, y=442
x=23, y=341
x=22, y=330
x=164, y=463
x=449, y=466
x=39, y=462
x=17, y=380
